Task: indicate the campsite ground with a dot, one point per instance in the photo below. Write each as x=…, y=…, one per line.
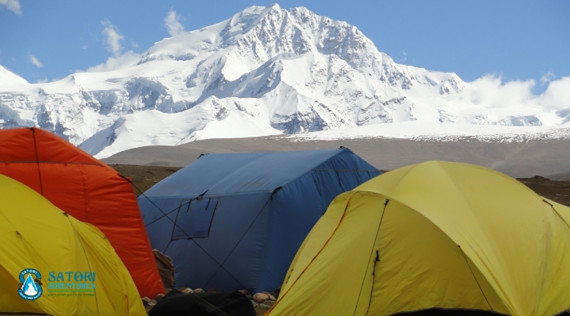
x=143, y=177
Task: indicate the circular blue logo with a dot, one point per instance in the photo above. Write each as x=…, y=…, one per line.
x=30, y=284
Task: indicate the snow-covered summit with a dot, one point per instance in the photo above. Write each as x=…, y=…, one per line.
x=9, y=79
x=263, y=71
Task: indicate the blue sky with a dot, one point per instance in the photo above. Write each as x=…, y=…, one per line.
x=45, y=40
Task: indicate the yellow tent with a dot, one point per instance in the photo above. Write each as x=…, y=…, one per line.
x=436, y=235
x=51, y=263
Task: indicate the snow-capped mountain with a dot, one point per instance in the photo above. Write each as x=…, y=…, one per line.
x=264, y=71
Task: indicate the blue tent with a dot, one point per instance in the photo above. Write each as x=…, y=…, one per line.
x=235, y=221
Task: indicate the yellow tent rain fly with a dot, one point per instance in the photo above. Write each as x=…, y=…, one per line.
x=53, y=264
x=431, y=236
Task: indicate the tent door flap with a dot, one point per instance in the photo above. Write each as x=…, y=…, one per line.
x=194, y=218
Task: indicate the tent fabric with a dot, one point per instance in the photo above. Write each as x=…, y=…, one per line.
x=37, y=235
x=234, y=221
x=434, y=235
x=86, y=188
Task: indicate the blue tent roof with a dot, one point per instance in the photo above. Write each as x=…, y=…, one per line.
x=233, y=221
x=234, y=173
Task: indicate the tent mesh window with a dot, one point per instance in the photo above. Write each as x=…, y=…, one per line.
x=194, y=218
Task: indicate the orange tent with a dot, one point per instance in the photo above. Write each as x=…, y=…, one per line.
x=86, y=188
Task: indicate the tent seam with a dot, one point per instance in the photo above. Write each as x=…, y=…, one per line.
x=377, y=259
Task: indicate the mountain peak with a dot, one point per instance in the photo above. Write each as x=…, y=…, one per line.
x=263, y=71
x=10, y=79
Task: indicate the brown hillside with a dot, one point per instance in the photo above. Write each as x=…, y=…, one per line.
x=143, y=177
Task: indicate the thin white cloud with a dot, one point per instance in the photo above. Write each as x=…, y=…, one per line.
x=112, y=38
x=34, y=60
x=547, y=77
x=113, y=63
x=135, y=45
x=492, y=91
x=172, y=23
x=557, y=95
x=12, y=5
x=516, y=98
x=404, y=57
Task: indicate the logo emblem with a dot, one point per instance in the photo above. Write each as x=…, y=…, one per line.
x=30, y=284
